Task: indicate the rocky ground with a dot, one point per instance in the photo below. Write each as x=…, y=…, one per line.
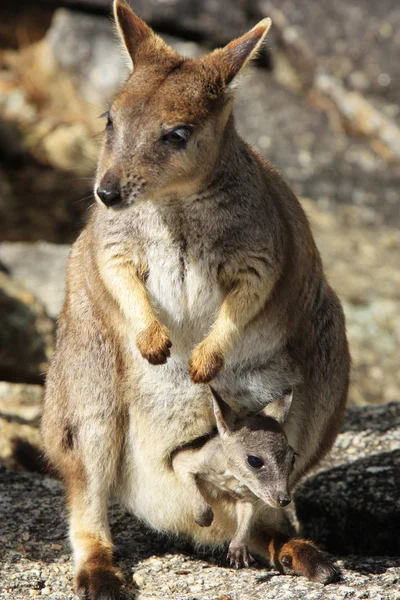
x=323, y=105
x=350, y=506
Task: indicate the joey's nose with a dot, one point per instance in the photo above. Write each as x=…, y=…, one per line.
x=110, y=195
x=284, y=500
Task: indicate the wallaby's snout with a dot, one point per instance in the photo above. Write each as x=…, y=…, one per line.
x=109, y=189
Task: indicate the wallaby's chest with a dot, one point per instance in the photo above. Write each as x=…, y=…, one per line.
x=183, y=287
x=182, y=272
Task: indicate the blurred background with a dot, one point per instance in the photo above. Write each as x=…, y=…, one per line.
x=322, y=104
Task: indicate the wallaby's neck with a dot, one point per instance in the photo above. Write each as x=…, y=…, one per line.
x=236, y=163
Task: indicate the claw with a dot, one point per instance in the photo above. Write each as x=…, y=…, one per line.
x=239, y=556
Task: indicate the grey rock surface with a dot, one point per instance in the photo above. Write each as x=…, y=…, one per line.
x=36, y=557
x=26, y=333
x=40, y=268
x=85, y=47
x=355, y=41
x=328, y=166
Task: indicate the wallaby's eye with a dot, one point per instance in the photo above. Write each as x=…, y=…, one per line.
x=109, y=124
x=254, y=462
x=178, y=137
x=294, y=458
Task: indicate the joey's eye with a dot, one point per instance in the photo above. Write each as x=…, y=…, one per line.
x=109, y=124
x=254, y=462
x=178, y=137
x=294, y=458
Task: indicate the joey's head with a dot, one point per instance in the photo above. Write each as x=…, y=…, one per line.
x=257, y=450
x=164, y=132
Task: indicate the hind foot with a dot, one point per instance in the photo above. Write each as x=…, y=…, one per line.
x=304, y=558
x=99, y=584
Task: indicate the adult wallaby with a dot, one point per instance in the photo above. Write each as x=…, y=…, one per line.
x=195, y=240
x=250, y=459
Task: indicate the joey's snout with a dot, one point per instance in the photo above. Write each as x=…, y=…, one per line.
x=284, y=500
x=277, y=499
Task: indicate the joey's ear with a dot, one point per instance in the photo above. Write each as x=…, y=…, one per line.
x=279, y=409
x=224, y=415
x=138, y=38
x=233, y=57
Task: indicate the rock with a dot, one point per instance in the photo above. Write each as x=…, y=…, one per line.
x=360, y=116
x=21, y=402
x=85, y=47
x=314, y=153
x=354, y=41
x=20, y=411
x=40, y=267
x=36, y=556
x=26, y=334
x=351, y=506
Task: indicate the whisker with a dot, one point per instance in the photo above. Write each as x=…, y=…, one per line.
x=83, y=199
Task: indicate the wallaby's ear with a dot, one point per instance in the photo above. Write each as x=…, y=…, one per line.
x=279, y=409
x=224, y=415
x=138, y=38
x=233, y=57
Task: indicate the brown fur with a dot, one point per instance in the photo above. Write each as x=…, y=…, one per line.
x=206, y=248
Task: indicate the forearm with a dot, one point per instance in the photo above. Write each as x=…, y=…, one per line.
x=243, y=302
x=125, y=282
x=249, y=288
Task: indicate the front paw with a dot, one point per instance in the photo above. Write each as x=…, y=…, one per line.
x=205, y=517
x=205, y=363
x=239, y=555
x=154, y=343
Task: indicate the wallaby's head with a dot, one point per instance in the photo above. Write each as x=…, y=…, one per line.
x=165, y=131
x=256, y=448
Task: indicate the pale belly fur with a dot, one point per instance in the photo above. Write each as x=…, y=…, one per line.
x=169, y=410
x=226, y=482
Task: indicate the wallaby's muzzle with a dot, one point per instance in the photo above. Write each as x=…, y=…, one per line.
x=109, y=195
x=109, y=190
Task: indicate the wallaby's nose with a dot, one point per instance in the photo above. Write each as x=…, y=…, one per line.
x=284, y=500
x=109, y=194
